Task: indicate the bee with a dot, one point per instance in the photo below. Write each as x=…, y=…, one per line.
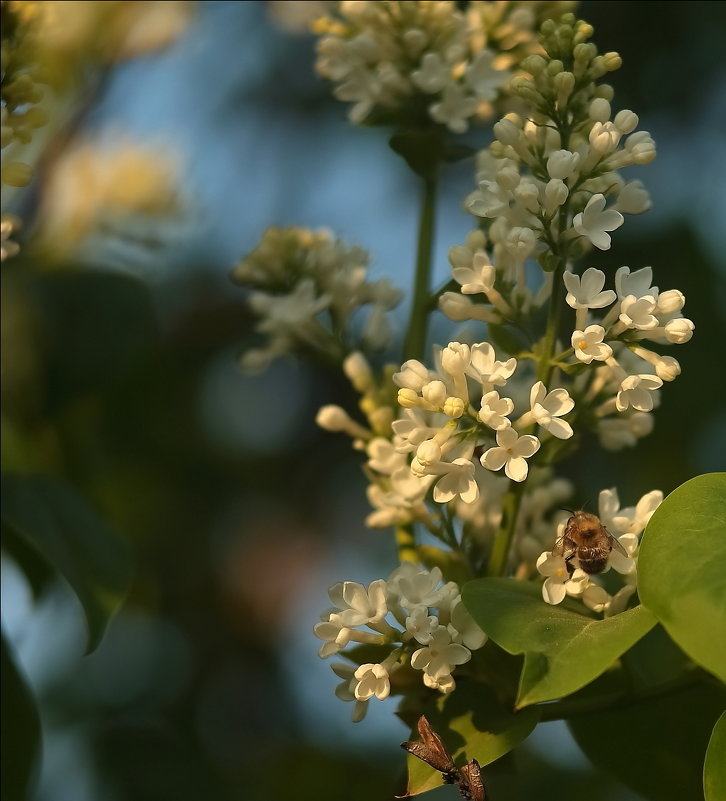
x=587, y=540
x=433, y=752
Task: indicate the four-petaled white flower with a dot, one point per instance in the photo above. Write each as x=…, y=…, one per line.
x=588, y=344
x=433, y=75
x=595, y=221
x=494, y=410
x=478, y=278
x=637, y=283
x=415, y=586
x=559, y=581
x=440, y=656
x=511, y=453
x=359, y=605
x=638, y=312
x=455, y=108
x=483, y=78
x=637, y=391
x=485, y=368
x=547, y=407
x=371, y=679
x=586, y=292
x=463, y=628
x=420, y=625
x=458, y=480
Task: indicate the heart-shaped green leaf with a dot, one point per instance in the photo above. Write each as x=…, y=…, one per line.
x=563, y=650
x=473, y=725
x=681, y=569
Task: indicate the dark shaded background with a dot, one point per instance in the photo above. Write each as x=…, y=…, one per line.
x=121, y=373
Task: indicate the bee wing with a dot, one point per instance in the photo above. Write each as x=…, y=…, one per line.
x=471, y=785
x=617, y=545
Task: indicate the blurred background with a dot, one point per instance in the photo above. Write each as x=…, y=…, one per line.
x=120, y=338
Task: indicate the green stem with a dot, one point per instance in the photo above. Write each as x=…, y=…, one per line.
x=497, y=565
x=545, y=366
x=415, y=340
x=502, y=542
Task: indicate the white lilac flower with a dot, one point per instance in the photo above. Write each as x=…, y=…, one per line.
x=631, y=520
x=637, y=283
x=334, y=633
x=358, y=605
x=586, y=292
x=633, y=198
x=371, y=679
x=511, y=453
x=459, y=308
x=494, y=410
x=384, y=457
x=420, y=625
x=433, y=75
x=411, y=430
x=588, y=345
x=679, y=331
x=596, y=598
x=458, y=480
x=391, y=508
x=616, y=433
x=562, y=163
x=478, y=278
x=440, y=656
x=489, y=200
x=335, y=418
x=463, y=628
x=483, y=78
x=344, y=690
x=412, y=375
x=638, y=312
x=415, y=586
x=455, y=108
x=595, y=221
x=637, y=391
x=485, y=368
x=547, y=407
x=559, y=582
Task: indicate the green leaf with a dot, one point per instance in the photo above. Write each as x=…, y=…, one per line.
x=508, y=338
x=681, y=576
x=714, y=769
x=50, y=518
x=654, y=745
x=473, y=725
x=563, y=650
x=21, y=730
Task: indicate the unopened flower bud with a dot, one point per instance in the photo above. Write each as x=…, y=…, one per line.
x=679, y=331
x=434, y=393
x=507, y=132
x=358, y=371
x=671, y=301
x=599, y=110
x=453, y=407
x=408, y=398
x=626, y=121
x=667, y=368
x=428, y=452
